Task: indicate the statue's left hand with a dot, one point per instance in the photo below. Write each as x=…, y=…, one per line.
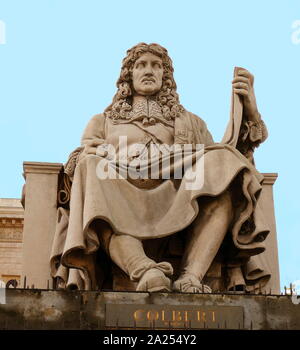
x=243, y=86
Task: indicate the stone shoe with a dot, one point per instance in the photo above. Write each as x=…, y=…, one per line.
x=154, y=280
x=190, y=284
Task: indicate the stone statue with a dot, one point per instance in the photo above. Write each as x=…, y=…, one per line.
x=155, y=232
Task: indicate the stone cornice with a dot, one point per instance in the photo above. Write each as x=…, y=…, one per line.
x=41, y=168
x=270, y=178
x=11, y=208
x=11, y=213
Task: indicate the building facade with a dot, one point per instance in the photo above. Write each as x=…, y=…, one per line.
x=11, y=236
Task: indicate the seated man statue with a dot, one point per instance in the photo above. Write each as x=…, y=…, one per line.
x=125, y=222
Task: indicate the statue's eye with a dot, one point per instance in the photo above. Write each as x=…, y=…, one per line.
x=157, y=65
x=140, y=65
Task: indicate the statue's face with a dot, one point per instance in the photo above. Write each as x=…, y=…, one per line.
x=147, y=74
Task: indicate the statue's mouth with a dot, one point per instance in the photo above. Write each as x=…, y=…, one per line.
x=147, y=80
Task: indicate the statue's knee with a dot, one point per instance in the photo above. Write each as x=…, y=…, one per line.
x=222, y=202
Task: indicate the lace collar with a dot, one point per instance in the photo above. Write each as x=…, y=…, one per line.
x=147, y=111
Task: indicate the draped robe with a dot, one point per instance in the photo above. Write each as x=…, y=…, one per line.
x=148, y=209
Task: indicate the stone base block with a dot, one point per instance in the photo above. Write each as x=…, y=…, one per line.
x=61, y=309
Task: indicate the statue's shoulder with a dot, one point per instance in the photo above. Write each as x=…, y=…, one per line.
x=195, y=120
x=97, y=119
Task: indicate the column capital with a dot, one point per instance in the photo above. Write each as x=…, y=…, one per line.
x=41, y=168
x=269, y=178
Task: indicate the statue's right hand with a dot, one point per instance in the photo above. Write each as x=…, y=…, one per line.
x=91, y=147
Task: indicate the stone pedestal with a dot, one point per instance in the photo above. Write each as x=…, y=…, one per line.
x=39, y=221
x=269, y=259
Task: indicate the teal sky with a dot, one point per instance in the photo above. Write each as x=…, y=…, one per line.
x=61, y=59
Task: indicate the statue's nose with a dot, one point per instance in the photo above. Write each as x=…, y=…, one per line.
x=148, y=70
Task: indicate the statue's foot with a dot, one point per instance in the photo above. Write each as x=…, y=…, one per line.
x=154, y=280
x=188, y=283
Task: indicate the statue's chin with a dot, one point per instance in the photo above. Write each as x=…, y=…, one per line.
x=147, y=91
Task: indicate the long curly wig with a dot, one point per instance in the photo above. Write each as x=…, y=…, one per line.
x=167, y=97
